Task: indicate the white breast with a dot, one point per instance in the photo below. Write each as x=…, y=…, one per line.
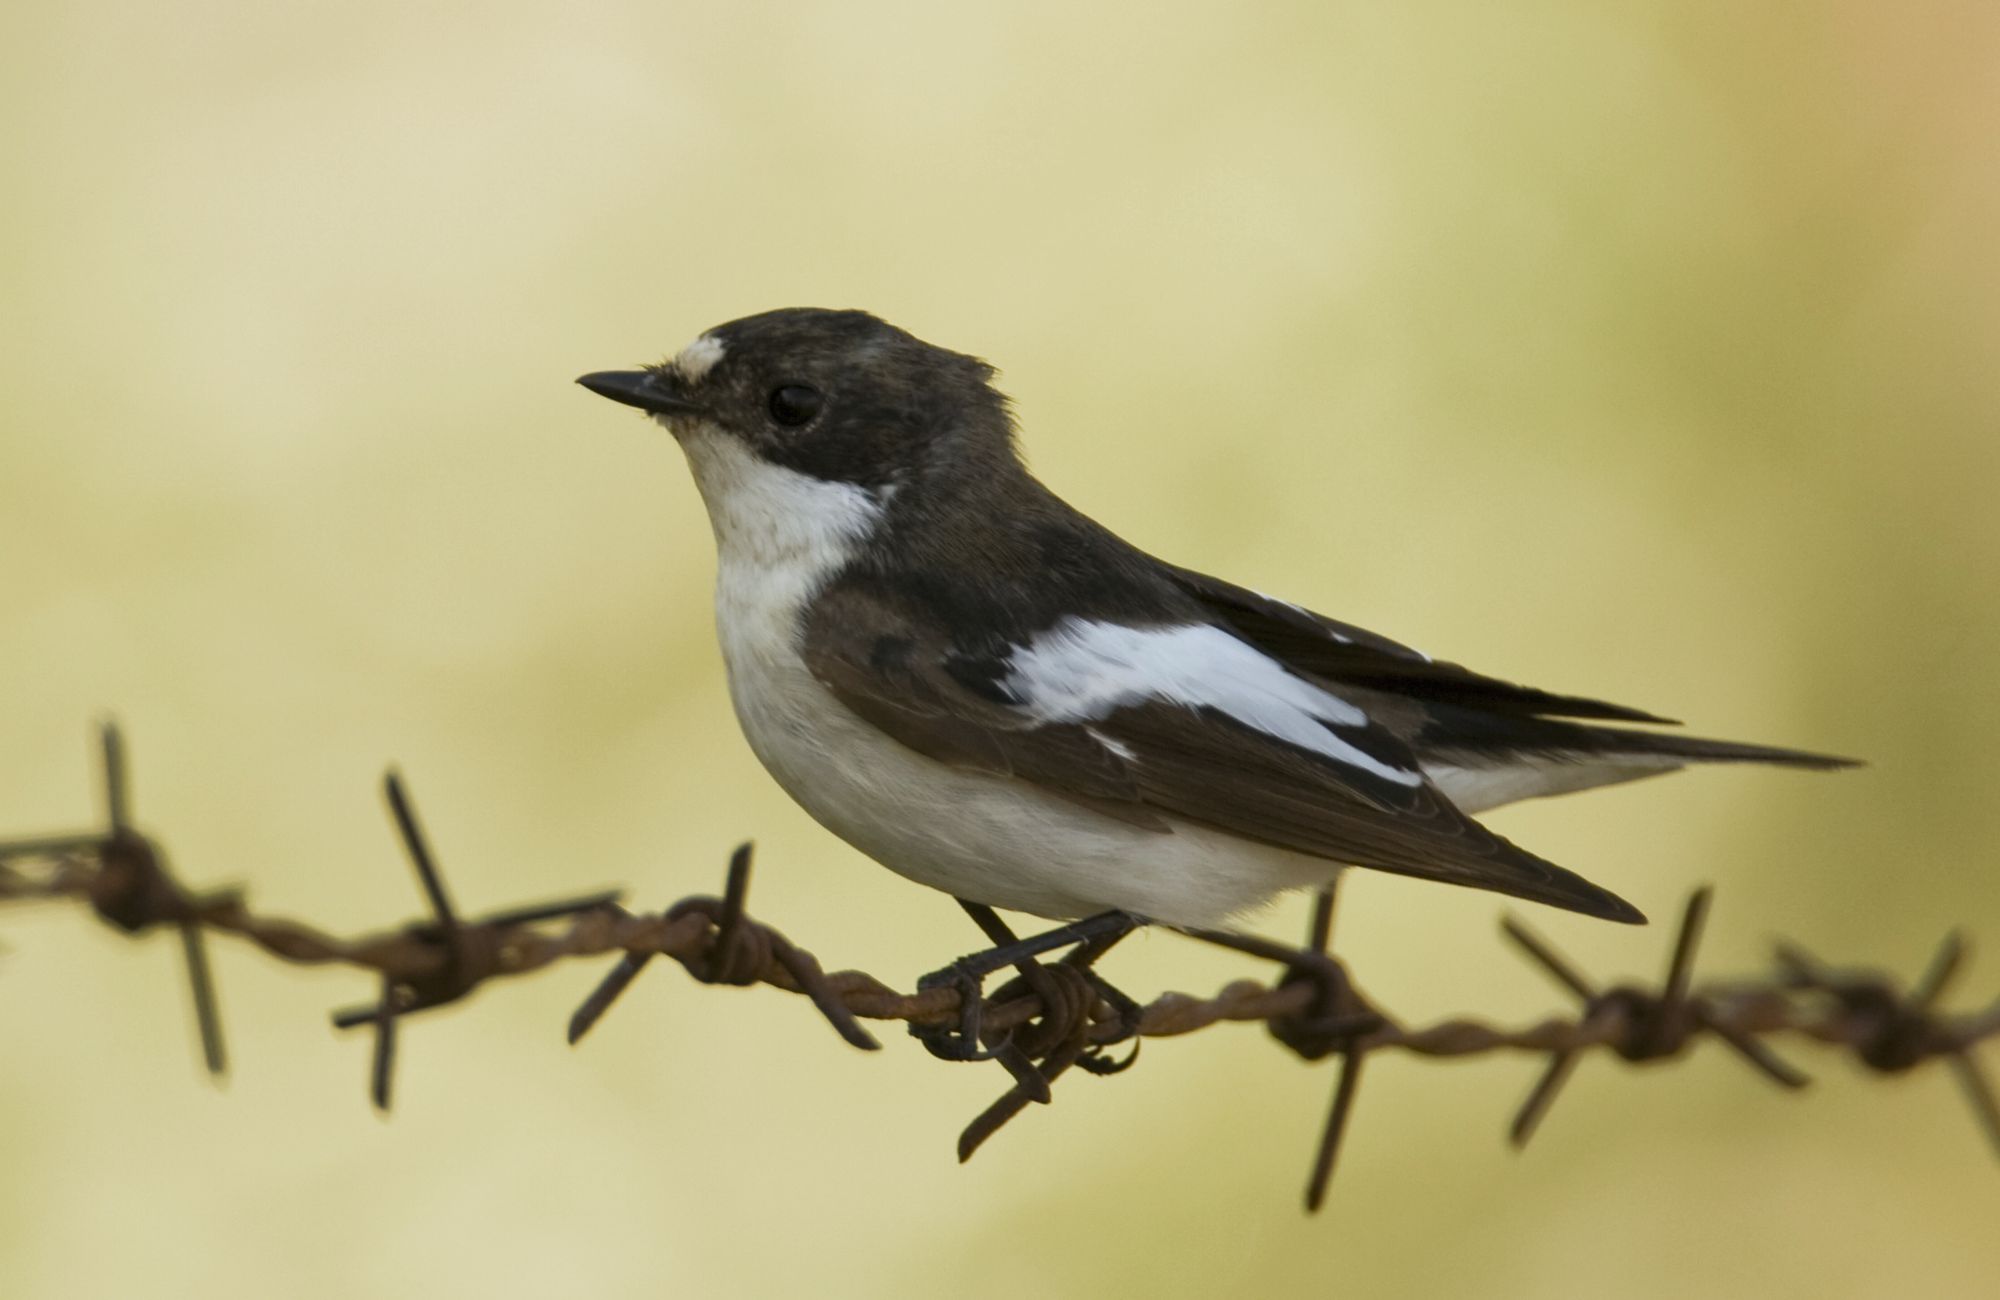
x=997, y=840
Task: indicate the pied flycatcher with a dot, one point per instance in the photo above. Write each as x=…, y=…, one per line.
x=990, y=693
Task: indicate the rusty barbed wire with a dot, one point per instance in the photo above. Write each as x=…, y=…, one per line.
x=1052, y=1016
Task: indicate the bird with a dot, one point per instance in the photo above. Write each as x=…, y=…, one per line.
x=988, y=692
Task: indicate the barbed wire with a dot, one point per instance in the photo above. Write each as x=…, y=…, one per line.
x=1052, y=1016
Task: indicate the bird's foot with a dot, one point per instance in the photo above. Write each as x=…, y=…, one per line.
x=965, y=1039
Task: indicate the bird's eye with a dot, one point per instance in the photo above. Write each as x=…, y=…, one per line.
x=794, y=404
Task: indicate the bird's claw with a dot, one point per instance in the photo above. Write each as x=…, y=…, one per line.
x=960, y=1041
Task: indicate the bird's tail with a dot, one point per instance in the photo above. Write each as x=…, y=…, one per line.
x=1481, y=761
x=1451, y=733
x=1613, y=742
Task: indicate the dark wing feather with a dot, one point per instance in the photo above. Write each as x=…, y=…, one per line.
x=1196, y=764
x=1208, y=769
x=1341, y=652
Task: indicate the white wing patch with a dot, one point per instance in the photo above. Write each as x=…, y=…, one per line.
x=698, y=358
x=1082, y=671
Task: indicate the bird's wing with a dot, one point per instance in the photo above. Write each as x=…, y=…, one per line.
x=1342, y=653
x=1186, y=721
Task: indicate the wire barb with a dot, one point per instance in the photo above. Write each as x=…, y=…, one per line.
x=1052, y=1015
x=459, y=955
x=1891, y=1031
x=724, y=946
x=201, y=984
x=1359, y=1020
x=1639, y=1025
x=129, y=888
x=117, y=796
x=419, y=850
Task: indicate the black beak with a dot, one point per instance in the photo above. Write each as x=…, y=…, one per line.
x=649, y=390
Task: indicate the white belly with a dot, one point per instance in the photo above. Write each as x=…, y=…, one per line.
x=990, y=839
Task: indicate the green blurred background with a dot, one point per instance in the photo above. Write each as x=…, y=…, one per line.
x=1640, y=350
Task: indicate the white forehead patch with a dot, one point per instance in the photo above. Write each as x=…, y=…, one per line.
x=698, y=358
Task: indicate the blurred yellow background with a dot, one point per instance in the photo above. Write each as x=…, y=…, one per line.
x=1638, y=350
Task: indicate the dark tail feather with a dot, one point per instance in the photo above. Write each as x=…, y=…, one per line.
x=1610, y=741
x=1451, y=731
x=1574, y=757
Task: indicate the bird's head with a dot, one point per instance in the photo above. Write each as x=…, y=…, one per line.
x=839, y=397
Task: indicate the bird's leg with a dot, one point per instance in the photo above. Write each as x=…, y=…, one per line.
x=1093, y=935
x=1083, y=957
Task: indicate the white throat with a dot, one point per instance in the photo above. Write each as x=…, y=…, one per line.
x=766, y=515
x=779, y=536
